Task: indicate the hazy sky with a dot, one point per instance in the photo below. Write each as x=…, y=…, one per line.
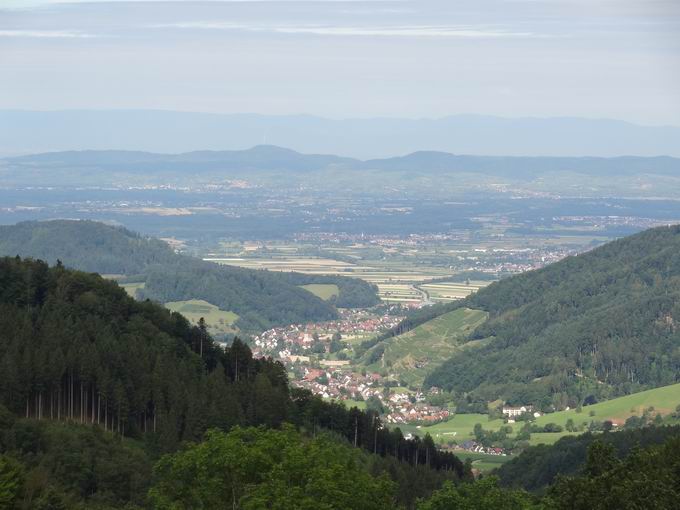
x=410, y=58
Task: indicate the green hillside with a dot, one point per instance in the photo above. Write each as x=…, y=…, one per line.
x=418, y=352
x=590, y=327
x=663, y=400
x=538, y=466
x=260, y=299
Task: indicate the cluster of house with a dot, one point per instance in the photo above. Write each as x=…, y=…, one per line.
x=474, y=446
x=332, y=382
x=296, y=338
x=407, y=412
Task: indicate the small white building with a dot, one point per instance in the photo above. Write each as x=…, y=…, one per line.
x=517, y=411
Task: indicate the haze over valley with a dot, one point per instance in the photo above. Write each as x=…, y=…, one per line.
x=339, y=255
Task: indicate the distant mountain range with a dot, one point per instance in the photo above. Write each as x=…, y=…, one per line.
x=26, y=132
x=108, y=167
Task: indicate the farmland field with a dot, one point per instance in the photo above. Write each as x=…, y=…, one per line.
x=450, y=291
x=218, y=321
x=416, y=353
x=324, y=291
x=483, y=461
x=396, y=282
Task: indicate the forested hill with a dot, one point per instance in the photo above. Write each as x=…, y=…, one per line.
x=82, y=364
x=107, y=167
x=85, y=245
x=592, y=326
x=261, y=299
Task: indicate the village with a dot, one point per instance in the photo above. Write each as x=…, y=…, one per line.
x=317, y=356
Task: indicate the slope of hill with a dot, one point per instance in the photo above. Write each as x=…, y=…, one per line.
x=415, y=354
x=84, y=245
x=523, y=168
x=662, y=401
x=593, y=326
x=259, y=298
x=259, y=157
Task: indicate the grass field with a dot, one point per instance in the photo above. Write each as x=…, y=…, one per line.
x=218, y=321
x=458, y=429
x=451, y=291
x=131, y=288
x=664, y=400
x=415, y=354
x=482, y=461
x=324, y=291
x=352, y=403
x=548, y=437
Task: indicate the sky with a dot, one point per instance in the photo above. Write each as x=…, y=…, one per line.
x=615, y=59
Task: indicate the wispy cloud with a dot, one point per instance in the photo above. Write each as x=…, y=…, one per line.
x=46, y=34
x=378, y=31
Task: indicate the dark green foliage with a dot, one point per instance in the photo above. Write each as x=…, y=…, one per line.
x=539, y=466
x=598, y=325
x=84, y=245
x=258, y=468
x=11, y=481
x=482, y=495
x=648, y=478
x=59, y=465
x=86, y=365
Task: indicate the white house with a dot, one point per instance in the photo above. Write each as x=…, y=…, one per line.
x=516, y=411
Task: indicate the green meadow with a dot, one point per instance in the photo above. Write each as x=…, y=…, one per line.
x=458, y=429
x=482, y=461
x=324, y=291
x=664, y=400
x=218, y=321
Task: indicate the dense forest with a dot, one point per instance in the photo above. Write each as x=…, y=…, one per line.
x=592, y=326
x=82, y=363
x=262, y=299
x=538, y=467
